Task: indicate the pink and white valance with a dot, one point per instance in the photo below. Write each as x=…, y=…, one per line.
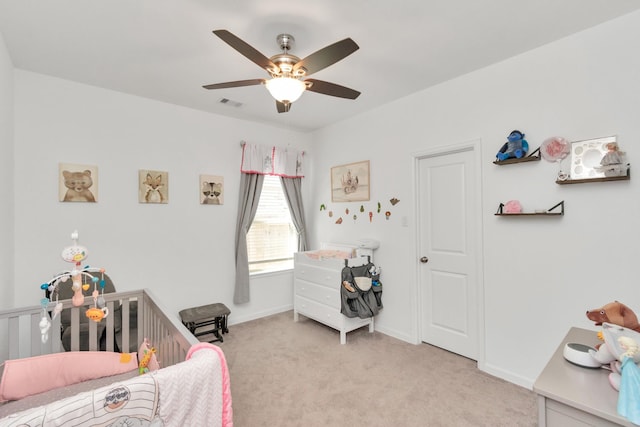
x=269, y=160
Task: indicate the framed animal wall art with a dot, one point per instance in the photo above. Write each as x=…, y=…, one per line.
x=77, y=183
x=211, y=190
x=350, y=183
x=153, y=186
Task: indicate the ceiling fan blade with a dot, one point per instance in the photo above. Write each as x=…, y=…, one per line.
x=331, y=89
x=245, y=49
x=238, y=83
x=327, y=56
x=282, y=107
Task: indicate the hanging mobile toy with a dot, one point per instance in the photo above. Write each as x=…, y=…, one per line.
x=98, y=311
x=74, y=254
x=45, y=323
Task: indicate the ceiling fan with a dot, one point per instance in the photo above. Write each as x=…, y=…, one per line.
x=288, y=71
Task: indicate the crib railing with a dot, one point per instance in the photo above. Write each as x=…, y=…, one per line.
x=20, y=334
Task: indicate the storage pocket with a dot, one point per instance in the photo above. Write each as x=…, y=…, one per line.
x=363, y=283
x=349, y=302
x=377, y=292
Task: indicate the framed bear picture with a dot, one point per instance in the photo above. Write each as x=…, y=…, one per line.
x=211, y=190
x=77, y=183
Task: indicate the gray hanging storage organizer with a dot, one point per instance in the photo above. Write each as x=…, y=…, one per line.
x=361, y=290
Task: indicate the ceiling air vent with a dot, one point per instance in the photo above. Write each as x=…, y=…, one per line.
x=230, y=103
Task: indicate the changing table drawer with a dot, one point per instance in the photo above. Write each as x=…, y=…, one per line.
x=329, y=278
x=318, y=311
x=320, y=293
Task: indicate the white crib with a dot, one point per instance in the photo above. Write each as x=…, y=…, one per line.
x=20, y=334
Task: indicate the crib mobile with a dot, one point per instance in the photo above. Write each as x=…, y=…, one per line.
x=79, y=283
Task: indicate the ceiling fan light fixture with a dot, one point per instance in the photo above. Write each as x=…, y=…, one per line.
x=287, y=71
x=285, y=89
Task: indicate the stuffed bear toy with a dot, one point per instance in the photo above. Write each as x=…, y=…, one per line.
x=516, y=146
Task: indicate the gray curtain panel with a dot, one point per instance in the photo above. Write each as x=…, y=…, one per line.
x=293, y=193
x=250, y=189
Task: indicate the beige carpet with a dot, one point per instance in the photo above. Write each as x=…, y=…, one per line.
x=297, y=374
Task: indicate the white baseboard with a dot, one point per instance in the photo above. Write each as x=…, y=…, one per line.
x=395, y=334
x=508, y=376
x=234, y=320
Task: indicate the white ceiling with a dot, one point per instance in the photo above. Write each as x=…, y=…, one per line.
x=165, y=49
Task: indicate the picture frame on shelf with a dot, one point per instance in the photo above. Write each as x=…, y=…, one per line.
x=589, y=159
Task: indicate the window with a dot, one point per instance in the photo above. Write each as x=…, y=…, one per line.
x=272, y=238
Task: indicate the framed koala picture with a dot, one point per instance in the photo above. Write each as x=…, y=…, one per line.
x=77, y=183
x=211, y=190
x=153, y=186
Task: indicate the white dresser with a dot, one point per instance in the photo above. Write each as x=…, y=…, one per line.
x=316, y=293
x=573, y=396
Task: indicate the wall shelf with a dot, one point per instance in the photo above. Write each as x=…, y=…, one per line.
x=545, y=213
x=534, y=156
x=626, y=177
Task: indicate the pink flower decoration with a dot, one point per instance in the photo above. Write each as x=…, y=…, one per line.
x=554, y=149
x=512, y=206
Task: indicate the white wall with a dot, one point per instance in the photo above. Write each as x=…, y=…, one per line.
x=540, y=274
x=6, y=176
x=183, y=251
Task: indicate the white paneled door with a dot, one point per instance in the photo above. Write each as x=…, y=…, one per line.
x=448, y=194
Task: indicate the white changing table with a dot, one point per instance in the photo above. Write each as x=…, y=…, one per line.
x=316, y=293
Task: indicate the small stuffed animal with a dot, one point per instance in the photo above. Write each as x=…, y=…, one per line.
x=516, y=146
x=147, y=360
x=616, y=313
x=619, y=343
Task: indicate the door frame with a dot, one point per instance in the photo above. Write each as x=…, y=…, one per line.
x=474, y=146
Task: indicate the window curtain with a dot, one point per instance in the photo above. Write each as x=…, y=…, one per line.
x=257, y=161
x=250, y=189
x=292, y=188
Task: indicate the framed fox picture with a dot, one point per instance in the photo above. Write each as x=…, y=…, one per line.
x=153, y=186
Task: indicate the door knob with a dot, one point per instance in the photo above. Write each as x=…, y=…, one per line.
x=424, y=260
